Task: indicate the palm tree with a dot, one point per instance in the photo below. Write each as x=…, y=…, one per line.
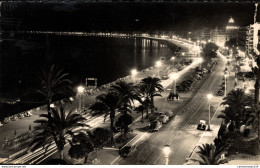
x=230, y=115
x=107, y=103
x=237, y=99
x=54, y=82
x=140, y=109
x=210, y=155
x=143, y=107
x=236, y=111
x=58, y=127
x=151, y=87
x=126, y=93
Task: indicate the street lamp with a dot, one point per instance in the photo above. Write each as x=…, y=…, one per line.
x=80, y=92
x=200, y=60
x=52, y=105
x=134, y=72
x=183, y=54
x=174, y=76
x=209, y=96
x=225, y=75
x=173, y=58
x=166, y=151
x=158, y=64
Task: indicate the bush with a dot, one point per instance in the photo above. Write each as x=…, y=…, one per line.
x=231, y=127
x=246, y=132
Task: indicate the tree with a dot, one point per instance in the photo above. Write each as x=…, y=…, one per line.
x=236, y=111
x=126, y=93
x=99, y=137
x=58, y=127
x=210, y=50
x=210, y=155
x=107, y=103
x=81, y=146
x=149, y=88
x=140, y=109
x=123, y=122
x=237, y=99
x=54, y=82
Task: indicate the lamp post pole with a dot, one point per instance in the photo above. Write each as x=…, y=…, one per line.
x=209, y=98
x=134, y=72
x=80, y=92
x=173, y=58
x=158, y=64
x=166, y=151
x=174, y=76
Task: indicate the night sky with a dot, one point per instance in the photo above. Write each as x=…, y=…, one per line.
x=125, y=16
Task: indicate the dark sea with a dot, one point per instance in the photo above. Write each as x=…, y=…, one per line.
x=104, y=58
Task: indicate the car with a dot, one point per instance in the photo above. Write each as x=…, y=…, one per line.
x=20, y=116
x=14, y=118
x=163, y=118
x=127, y=151
x=202, y=125
x=165, y=77
x=153, y=117
x=155, y=125
x=6, y=120
x=169, y=113
x=220, y=93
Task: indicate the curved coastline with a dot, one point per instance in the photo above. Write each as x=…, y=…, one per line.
x=171, y=46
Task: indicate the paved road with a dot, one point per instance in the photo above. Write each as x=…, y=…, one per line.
x=181, y=133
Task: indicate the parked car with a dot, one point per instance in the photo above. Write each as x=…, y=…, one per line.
x=14, y=118
x=202, y=125
x=220, y=93
x=169, y=113
x=155, y=125
x=165, y=77
x=20, y=116
x=6, y=120
x=127, y=151
x=163, y=118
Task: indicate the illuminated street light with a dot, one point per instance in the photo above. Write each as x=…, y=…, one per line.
x=225, y=75
x=134, y=72
x=174, y=76
x=183, y=54
x=209, y=96
x=166, y=151
x=200, y=60
x=52, y=105
x=173, y=58
x=158, y=64
x=80, y=93
x=246, y=91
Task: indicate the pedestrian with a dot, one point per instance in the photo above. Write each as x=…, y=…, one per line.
x=177, y=97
